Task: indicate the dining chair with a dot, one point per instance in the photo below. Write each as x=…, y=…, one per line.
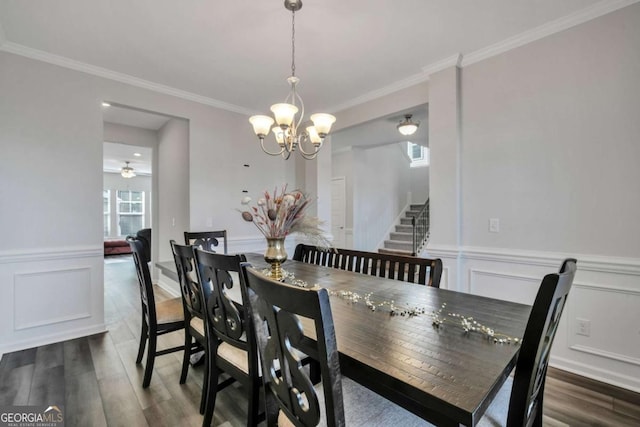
x=290, y=395
x=193, y=302
x=232, y=347
x=157, y=318
x=145, y=235
x=524, y=407
x=207, y=240
x=425, y=271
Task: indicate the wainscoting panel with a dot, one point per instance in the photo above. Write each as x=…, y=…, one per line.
x=607, y=311
x=506, y=286
x=598, y=335
x=48, y=297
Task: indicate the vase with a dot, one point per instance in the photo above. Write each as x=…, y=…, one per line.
x=275, y=255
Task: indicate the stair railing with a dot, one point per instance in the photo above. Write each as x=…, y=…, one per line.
x=420, y=224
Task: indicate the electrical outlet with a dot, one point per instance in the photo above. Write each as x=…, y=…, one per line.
x=494, y=225
x=583, y=327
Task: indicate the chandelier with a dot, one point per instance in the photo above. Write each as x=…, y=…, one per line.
x=127, y=171
x=408, y=127
x=288, y=133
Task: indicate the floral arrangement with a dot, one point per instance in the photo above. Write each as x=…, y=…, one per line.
x=281, y=213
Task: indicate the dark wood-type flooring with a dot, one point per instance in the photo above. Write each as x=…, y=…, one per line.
x=97, y=381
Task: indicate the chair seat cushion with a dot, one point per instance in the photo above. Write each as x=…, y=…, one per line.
x=170, y=311
x=197, y=325
x=234, y=355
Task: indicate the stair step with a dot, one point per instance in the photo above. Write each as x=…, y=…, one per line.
x=395, y=252
x=402, y=228
x=397, y=244
x=416, y=207
x=411, y=213
x=404, y=237
x=405, y=221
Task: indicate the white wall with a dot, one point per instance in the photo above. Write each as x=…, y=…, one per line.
x=419, y=184
x=380, y=186
x=545, y=138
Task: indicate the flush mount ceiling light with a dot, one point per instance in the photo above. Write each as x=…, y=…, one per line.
x=127, y=171
x=408, y=127
x=287, y=130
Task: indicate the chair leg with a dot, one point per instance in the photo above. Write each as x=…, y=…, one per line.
x=254, y=404
x=212, y=389
x=186, y=355
x=151, y=357
x=205, y=383
x=144, y=332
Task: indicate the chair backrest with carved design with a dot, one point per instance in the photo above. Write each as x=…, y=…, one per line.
x=425, y=271
x=525, y=404
x=144, y=280
x=193, y=295
x=227, y=318
x=275, y=308
x=207, y=240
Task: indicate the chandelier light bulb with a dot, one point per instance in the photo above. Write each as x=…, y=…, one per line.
x=284, y=114
x=261, y=125
x=322, y=122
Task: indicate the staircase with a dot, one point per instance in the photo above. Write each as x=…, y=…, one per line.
x=401, y=241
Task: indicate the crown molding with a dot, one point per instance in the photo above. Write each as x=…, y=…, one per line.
x=61, y=61
x=386, y=90
x=599, y=9
x=459, y=60
x=452, y=61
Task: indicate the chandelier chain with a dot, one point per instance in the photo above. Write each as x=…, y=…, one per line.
x=293, y=43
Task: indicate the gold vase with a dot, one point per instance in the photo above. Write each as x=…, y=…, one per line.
x=275, y=255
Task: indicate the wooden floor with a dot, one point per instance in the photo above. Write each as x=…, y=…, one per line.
x=98, y=383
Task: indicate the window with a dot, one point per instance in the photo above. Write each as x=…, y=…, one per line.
x=418, y=154
x=130, y=211
x=106, y=207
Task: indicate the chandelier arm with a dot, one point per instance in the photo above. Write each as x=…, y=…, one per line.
x=316, y=149
x=286, y=154
x=308, y=156
x=269, y=152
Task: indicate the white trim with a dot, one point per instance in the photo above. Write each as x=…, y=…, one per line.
x=51, y=254
x=452, y=61
x=61, y=61
x=53, y=338
x=603, y=375
x=383, y=91
x=442, y=251
x=599, y=9
x=595, y=11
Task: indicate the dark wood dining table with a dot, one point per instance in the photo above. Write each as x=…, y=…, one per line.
x=441, y=373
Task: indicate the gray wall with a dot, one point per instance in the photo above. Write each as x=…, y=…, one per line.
x=51, y=136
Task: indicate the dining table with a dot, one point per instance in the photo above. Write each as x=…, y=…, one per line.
x=441, y=354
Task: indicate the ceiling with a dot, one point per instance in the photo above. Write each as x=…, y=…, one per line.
x=115, y=155
x=237, y=54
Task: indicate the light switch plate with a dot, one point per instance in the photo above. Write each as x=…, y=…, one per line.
x=494, y=225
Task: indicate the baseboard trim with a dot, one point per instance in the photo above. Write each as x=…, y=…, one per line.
x=53, y=338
